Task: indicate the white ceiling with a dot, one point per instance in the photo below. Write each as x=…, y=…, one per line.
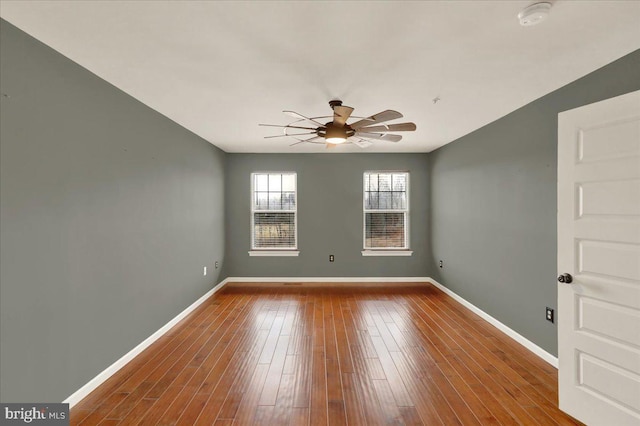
x=220, y=68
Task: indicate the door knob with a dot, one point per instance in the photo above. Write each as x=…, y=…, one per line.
x=565, y=278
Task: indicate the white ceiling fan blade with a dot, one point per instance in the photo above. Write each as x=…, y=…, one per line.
x=288, y=126
x=377, y=118
x=295, y=134
x=315, y=139
x=402, y=127
x=379, y=136
x=383, y=128
x=297, y=115
x=341, y=114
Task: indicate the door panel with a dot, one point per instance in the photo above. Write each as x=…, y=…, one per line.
x=613, y=260
x=601, y=198
x=599, y=244
x=609, y=382
x=614, y=140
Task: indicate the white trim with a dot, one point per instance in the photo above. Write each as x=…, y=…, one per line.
x=537, y=350
x=85, y=390
x=387, y=252
x=275, y=253
x=328, y=279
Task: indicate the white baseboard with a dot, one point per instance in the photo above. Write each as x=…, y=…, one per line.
x=328, y=280
x=113, y=368
x=546, y=356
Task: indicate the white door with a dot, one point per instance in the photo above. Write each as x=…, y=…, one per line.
x=599, y=246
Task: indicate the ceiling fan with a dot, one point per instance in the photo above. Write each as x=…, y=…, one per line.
x=339, y=131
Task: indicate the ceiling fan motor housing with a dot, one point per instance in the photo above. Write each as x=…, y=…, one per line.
x=332, y=131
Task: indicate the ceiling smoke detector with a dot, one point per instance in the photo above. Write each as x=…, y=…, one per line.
x=534, y=14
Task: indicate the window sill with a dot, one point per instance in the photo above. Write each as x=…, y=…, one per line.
x=274, y=253
x=387, y=252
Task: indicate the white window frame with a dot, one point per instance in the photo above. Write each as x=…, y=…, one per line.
x=273, y=251
x=386, y=251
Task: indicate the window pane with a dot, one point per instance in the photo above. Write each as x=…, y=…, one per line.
x=288, y=201
x=399, y=182
x=371, y=199
x=275, y=200
x=385, y=191
x=384, y=182
x=367, y=178
x=262, y=200
x=384, y=230
x=399, y=200
x=384, y=200
x=373, y=181
x=275, y=183
x=261, y=182
x=289, y=183
x=274, y=230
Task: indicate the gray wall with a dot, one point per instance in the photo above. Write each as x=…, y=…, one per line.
x=109, y=211
x=329, y=215
x=493, y=205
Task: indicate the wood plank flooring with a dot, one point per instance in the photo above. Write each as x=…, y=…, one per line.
x=297, y=355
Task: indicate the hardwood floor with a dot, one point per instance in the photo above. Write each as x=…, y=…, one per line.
x=292, y=355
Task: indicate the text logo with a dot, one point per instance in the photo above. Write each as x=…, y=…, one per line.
x=53, y=414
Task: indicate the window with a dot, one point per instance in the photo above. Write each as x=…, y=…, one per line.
x=386, y=211
x=273, y=214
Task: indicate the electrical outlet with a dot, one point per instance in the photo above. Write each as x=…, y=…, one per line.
x=549, y=315
x=205, y=271
x=331, y=258
x=440, y=264
x=217, y=264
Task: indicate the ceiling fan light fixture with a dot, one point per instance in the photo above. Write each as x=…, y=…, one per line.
x=335, y=135
x=336, y=141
